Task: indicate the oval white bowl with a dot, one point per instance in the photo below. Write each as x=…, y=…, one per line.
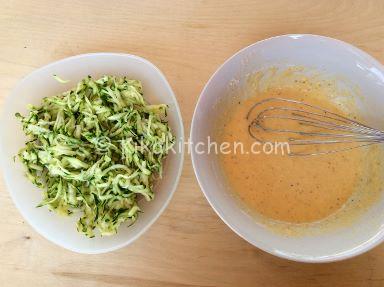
x=39, y=84
x=326, y=55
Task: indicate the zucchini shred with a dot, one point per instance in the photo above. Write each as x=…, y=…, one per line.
x=96, y=150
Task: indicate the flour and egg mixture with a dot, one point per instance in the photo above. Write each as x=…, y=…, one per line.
x=298, y=190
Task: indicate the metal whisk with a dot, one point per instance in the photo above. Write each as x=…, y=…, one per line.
x=311, y=130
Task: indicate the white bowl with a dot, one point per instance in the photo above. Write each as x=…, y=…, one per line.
x=39, y=84
x=326, y=55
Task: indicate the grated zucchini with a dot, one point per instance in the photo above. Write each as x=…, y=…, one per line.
x=95, y=150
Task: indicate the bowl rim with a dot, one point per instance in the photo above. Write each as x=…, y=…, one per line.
x=171, y=191
x=366, y=246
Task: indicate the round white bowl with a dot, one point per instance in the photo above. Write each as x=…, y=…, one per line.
x=326, y=55
x=39, y=84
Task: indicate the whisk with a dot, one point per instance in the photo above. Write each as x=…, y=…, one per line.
x=311, y=129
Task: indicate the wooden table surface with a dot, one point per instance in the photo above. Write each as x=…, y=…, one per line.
x=189, y=245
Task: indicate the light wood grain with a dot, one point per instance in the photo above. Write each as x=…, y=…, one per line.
x=189, y=245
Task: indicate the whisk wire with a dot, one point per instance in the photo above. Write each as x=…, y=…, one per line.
x=331, y=128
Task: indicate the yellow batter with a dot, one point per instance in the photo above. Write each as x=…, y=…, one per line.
x=290, y=189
